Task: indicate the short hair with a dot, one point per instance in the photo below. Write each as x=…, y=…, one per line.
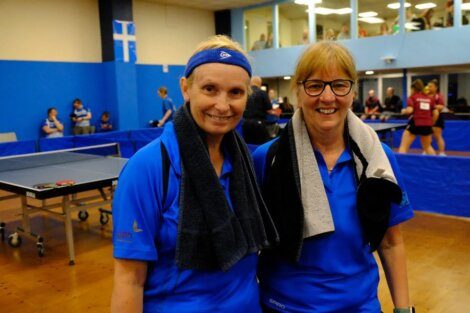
x=417, y=85
x=217, y=42
x=163, y=90
x=435, y=82
x=322, y=57
x=50, y=110
x=105, y=114
x=77, y=100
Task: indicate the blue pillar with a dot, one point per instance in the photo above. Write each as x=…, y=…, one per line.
x=312, y=23
x=457, y=13
x=404, y=87
x=402, y=12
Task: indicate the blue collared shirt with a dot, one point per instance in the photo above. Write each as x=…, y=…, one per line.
x=145, y=229
x=336, y=272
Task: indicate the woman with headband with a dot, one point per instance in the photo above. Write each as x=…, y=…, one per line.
x=187, y=235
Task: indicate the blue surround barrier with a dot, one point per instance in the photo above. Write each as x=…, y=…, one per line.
x=434, y=184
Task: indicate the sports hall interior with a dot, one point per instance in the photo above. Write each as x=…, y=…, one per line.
x=54, y=51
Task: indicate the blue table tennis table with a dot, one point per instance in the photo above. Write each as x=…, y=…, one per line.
x=34, y=176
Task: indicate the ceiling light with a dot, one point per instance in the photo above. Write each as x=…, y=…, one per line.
x=396, y=5
x=328, y=11
x=465, y=6
x=287, y=77
x=343, y=11
x=424, y=6
x=371, y=20
x=307, y=2
x=368, y=14
x=369, y=72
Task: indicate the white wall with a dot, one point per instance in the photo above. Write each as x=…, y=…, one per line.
x=169, y=34
x=258, y=24
x=50, y=30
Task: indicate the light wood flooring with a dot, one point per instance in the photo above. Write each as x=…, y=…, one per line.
x=438, y=250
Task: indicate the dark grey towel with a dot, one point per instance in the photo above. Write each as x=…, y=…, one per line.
x=211, y=235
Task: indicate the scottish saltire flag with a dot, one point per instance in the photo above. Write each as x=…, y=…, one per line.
x=124, y=41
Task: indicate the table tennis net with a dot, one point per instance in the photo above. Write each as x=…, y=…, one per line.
x=33, y=160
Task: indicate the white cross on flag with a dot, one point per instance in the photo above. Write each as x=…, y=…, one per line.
x=124, y=41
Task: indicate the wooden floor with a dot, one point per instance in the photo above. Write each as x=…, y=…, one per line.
x=438, y=251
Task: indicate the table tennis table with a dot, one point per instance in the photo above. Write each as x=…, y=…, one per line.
x=34, y=176
x=386, y=130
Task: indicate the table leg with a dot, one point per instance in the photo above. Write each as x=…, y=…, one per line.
x=68, y=228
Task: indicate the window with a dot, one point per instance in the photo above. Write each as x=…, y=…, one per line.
x=465, y=12
x=333, y=20
x=258, y=28
x=293, y=24
x=377, y=18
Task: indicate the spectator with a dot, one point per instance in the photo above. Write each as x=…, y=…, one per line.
x=344, y=33
x=81, y=117
x=269, y=42
x=257, y=107
x=168, y=108
x=433, y=87
x=104, y=124
x=392, y=105
x=449, y=8
x=305, y=40
x=329, y=34
x=260, y=44
x=384, y=29
x=52, y=127
x=372, y=109
x=423, y=112
x=357, y=106
x=286, y=107
x=273, y=114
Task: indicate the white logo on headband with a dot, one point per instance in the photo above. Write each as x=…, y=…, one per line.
x=224, y=55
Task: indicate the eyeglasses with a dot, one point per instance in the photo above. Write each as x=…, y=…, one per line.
x=315, y=87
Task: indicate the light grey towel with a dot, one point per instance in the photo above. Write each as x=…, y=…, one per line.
x=317, y=211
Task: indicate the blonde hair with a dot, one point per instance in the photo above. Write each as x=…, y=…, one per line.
x=217, y=42
x=322, y=57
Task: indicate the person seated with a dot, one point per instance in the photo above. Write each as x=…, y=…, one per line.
x=392, y=105
x=372, y=109
x=357, y=106
x=286, y=107
x=52, y=127
x=104, y=124
x=81, y=118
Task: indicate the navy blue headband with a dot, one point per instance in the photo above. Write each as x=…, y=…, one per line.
x=221, y=55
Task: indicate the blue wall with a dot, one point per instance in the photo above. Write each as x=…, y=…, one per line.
x=28, y=89
x=149, y=79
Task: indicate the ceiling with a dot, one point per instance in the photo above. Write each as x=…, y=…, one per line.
x=212, y=5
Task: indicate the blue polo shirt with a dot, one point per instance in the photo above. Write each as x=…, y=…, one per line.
x=82, y=113
x=336, y=272
x=167, y=104
x=145, y=229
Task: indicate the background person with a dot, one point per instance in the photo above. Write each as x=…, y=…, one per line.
x=52, y=127
x=423, y=114
x=438, y=127
x=81, y=117
x=168, y=108
x=104, y=124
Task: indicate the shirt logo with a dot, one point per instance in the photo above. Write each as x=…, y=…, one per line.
x=136, y=228
x=224, y=55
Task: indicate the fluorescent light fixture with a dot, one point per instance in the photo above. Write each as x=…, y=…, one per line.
x=465, y=6
x=369, y=72
x=368, y=14
x=371, y=20
x=307, y=2
x=343, y=11
x=424, y=6
x=328, y=11
x=396, y=5
x=287, y=77
x=323, y=11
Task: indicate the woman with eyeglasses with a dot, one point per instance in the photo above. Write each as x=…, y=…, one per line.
x=335, y=195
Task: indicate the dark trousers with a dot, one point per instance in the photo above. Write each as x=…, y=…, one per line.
x=267, y=309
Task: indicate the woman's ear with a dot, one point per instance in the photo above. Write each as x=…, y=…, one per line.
x=184, y=88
